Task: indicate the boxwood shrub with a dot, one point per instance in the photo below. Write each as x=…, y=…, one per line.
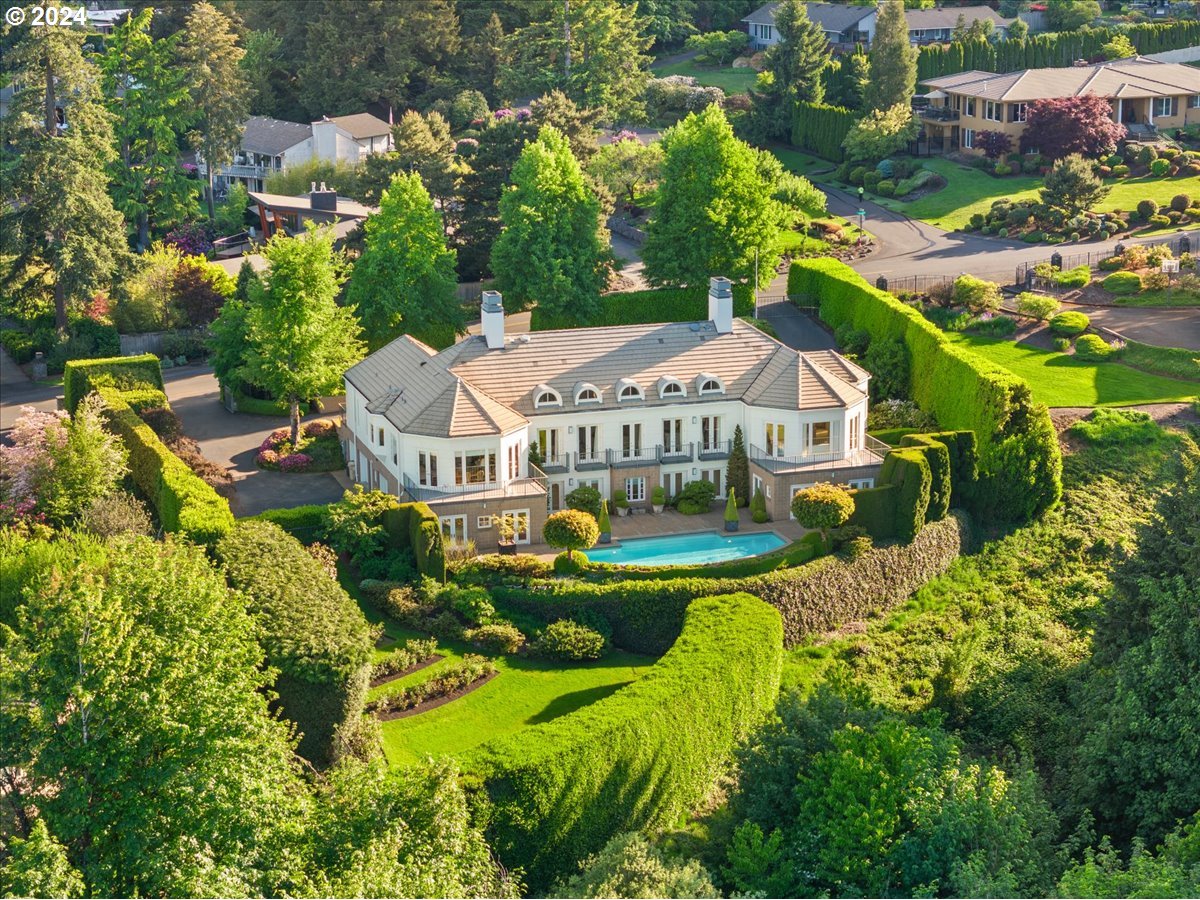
x=125, y=373
x=1123, y=283
x=309, y=629
x=1019, y=459
x=640, y=758
x=1069, y=324
x=186, y=504
x=661, y=305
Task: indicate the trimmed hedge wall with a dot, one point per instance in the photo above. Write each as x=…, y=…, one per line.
x=1019, y=459
x=125, y=373
x=640, y=758
x=820, y=129
x=646, y=615
x=303, y=522
x=425, y=539
x=186, y=504
x=309, y=629
x=937, y=457
x=908, y=470
x=659, y=305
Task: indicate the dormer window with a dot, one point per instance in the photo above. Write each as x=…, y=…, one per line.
x=629, y=390
x=544, y=395
x=709, y=384
x=671, y=388
x=586, y=393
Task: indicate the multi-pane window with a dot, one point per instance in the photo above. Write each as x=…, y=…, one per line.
x=631, y=441
x=968, y=138
x=635, y=489
x=774, y=439
x=710, y=432
x=427, y=469
x=589, y=436
x=1164, y=106
x=474, y=468
x=993, y=111
x=820, y=434
x=672, y=435
x=970, y=110
x=1018, y=112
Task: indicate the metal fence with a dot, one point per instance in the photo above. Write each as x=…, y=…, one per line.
x=782, y=305
x=912, y=283
x=1179, y=243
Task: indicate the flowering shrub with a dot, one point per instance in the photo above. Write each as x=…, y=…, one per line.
x=523, y=114
x=267, y=459
x=191, y=239
x=624, y=135
x=320, y=428
x=502, y=113
x=294, y=462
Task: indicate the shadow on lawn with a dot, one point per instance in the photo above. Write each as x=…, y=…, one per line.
x=568, y=703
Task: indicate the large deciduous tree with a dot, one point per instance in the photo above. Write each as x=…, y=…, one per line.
x=151, y=105
x=715, y=210
x=220, y=93
x=592, y=50
x=893, y=71
x=627, y=164
x=552, y=250
x=1059, y=126
x=59, y=225
x=880, y=133
x=300, y=342
x=1070, y=15
x=405, y=279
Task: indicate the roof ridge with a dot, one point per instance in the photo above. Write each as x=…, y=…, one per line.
x=1020, y=76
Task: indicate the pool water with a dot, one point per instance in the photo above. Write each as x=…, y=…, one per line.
x=687, y=549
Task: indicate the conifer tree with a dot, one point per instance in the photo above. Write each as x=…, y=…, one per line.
x=893, y=60
x=737, y=470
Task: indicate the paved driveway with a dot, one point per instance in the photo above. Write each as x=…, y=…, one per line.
x=232, y=440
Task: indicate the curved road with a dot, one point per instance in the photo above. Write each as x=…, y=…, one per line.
x=909, y=247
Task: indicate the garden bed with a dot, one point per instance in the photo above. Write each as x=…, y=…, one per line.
x=317, y=450
x=404, y=673
x=435, y=702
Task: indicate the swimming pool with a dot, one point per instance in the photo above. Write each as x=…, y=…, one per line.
x=687, y=549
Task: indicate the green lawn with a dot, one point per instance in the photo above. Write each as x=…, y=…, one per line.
x=1060, y=380
x=728, y=79
x=1169, y=297
x=799, y=162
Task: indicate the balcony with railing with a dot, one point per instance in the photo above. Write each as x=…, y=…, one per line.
x=938, y=114
x=633, y=456
x=556, y=464
x=715, y=450
x=871, y=454
x=681, y=453
x=591, y=462
x=532, y=486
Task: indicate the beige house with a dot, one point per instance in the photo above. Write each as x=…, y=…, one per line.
x=623, y=408
x=1147, y=96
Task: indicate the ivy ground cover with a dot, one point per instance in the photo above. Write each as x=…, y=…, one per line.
x=1061, y=380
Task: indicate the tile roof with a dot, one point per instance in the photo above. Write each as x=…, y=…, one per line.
x=468, y=389
x=271, y=137
x=361, y=125
x=1136, y=77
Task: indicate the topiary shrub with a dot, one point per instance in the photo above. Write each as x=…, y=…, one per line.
x=567, y=565
x=1160, y=167
x=1002, y=169
x=571, y=529
x=1147, y=155
x=496, y=638
x=1146, y=208
x=1159, y=221
x=758, y=507
x=1123, y=283
x=1180, y=202
x=1111, y=263
x=1120, y=171
x=1093, y=348
x=568, y=640
x=1062, y=344
x=858, y=173
x=822, y=507
x=886, y=188
x=871, y=180
x=1037, y=306
x=1003, y=232
x=1069, y=324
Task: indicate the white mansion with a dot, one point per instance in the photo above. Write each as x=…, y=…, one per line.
x=625, y=407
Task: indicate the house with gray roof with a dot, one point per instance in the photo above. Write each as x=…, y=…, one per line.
x=846, y=25
x=507, y=425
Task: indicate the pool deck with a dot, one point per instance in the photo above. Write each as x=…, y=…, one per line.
x=671, y=522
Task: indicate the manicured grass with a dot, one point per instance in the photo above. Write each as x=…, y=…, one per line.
x=1060, y=380
x=728, y=79
x=1126, y=192
x=1172, y=362
x=1169, y=297
x=967, y=191
x=799, y=162
x=527, y=691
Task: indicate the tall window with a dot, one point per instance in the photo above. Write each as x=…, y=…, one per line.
x=854, y=426
x=710, y=432
x=588, y=438
x=547, y=439
x=774, y=439
x=672, y=435
x=631, y=441
x=970, y=110
x=993, y=111
x=427, y=469
x=635, y=489
x=968, y=138
x=514, y=462
x=1018, y=112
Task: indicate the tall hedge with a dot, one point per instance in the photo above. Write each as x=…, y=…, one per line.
x=820, y=129
x=309, y=628
x=125, y=373
x=186, y=504
x=656, y=305
x=425, y=538
x=646, y=615
x=909, y=471
x=937, y=457
x=1020, y=465
x=642, y=757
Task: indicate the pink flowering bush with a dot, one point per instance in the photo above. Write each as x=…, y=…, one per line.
x=317, y=450
x=267, y=459
x=26, y=464
x=624, y=135
x=502, y=113
x=295, y=462
x=320, y=428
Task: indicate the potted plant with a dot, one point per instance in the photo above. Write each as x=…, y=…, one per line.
x=605, y=524
x=508, y=533
x=731, y=516
x=658, y=498
x=621, y=501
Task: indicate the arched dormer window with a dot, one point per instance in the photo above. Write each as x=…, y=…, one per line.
x=544, y=395
x=709, y=384
x=586, y=393
x=627, y=390
x=671, y=388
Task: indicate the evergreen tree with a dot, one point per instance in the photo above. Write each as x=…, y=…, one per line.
x=715, y=210
x=484, y=59
x=578, y=124
x=423, y=145
x=737, y=470
x=300, y=342
x=148, y=97
x=405, y=280
x=499, y=146
x=262, y=68
x=246, y=277
x=592, y=50
x=220, y=94
x=893, y=70
x=59, y=225
x=801, y=55
x=552, y=250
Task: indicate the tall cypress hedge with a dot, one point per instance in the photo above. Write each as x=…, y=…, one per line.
x=642, y=757
x=309, y=628
x=820, y=129
x=1020, y=463
x=125, y=373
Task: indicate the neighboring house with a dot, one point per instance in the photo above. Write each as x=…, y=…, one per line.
x=104, y=20
x=321, y=205
x=617, y=408
x=1146, y=96
x=846, y=25
x=272, y=145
